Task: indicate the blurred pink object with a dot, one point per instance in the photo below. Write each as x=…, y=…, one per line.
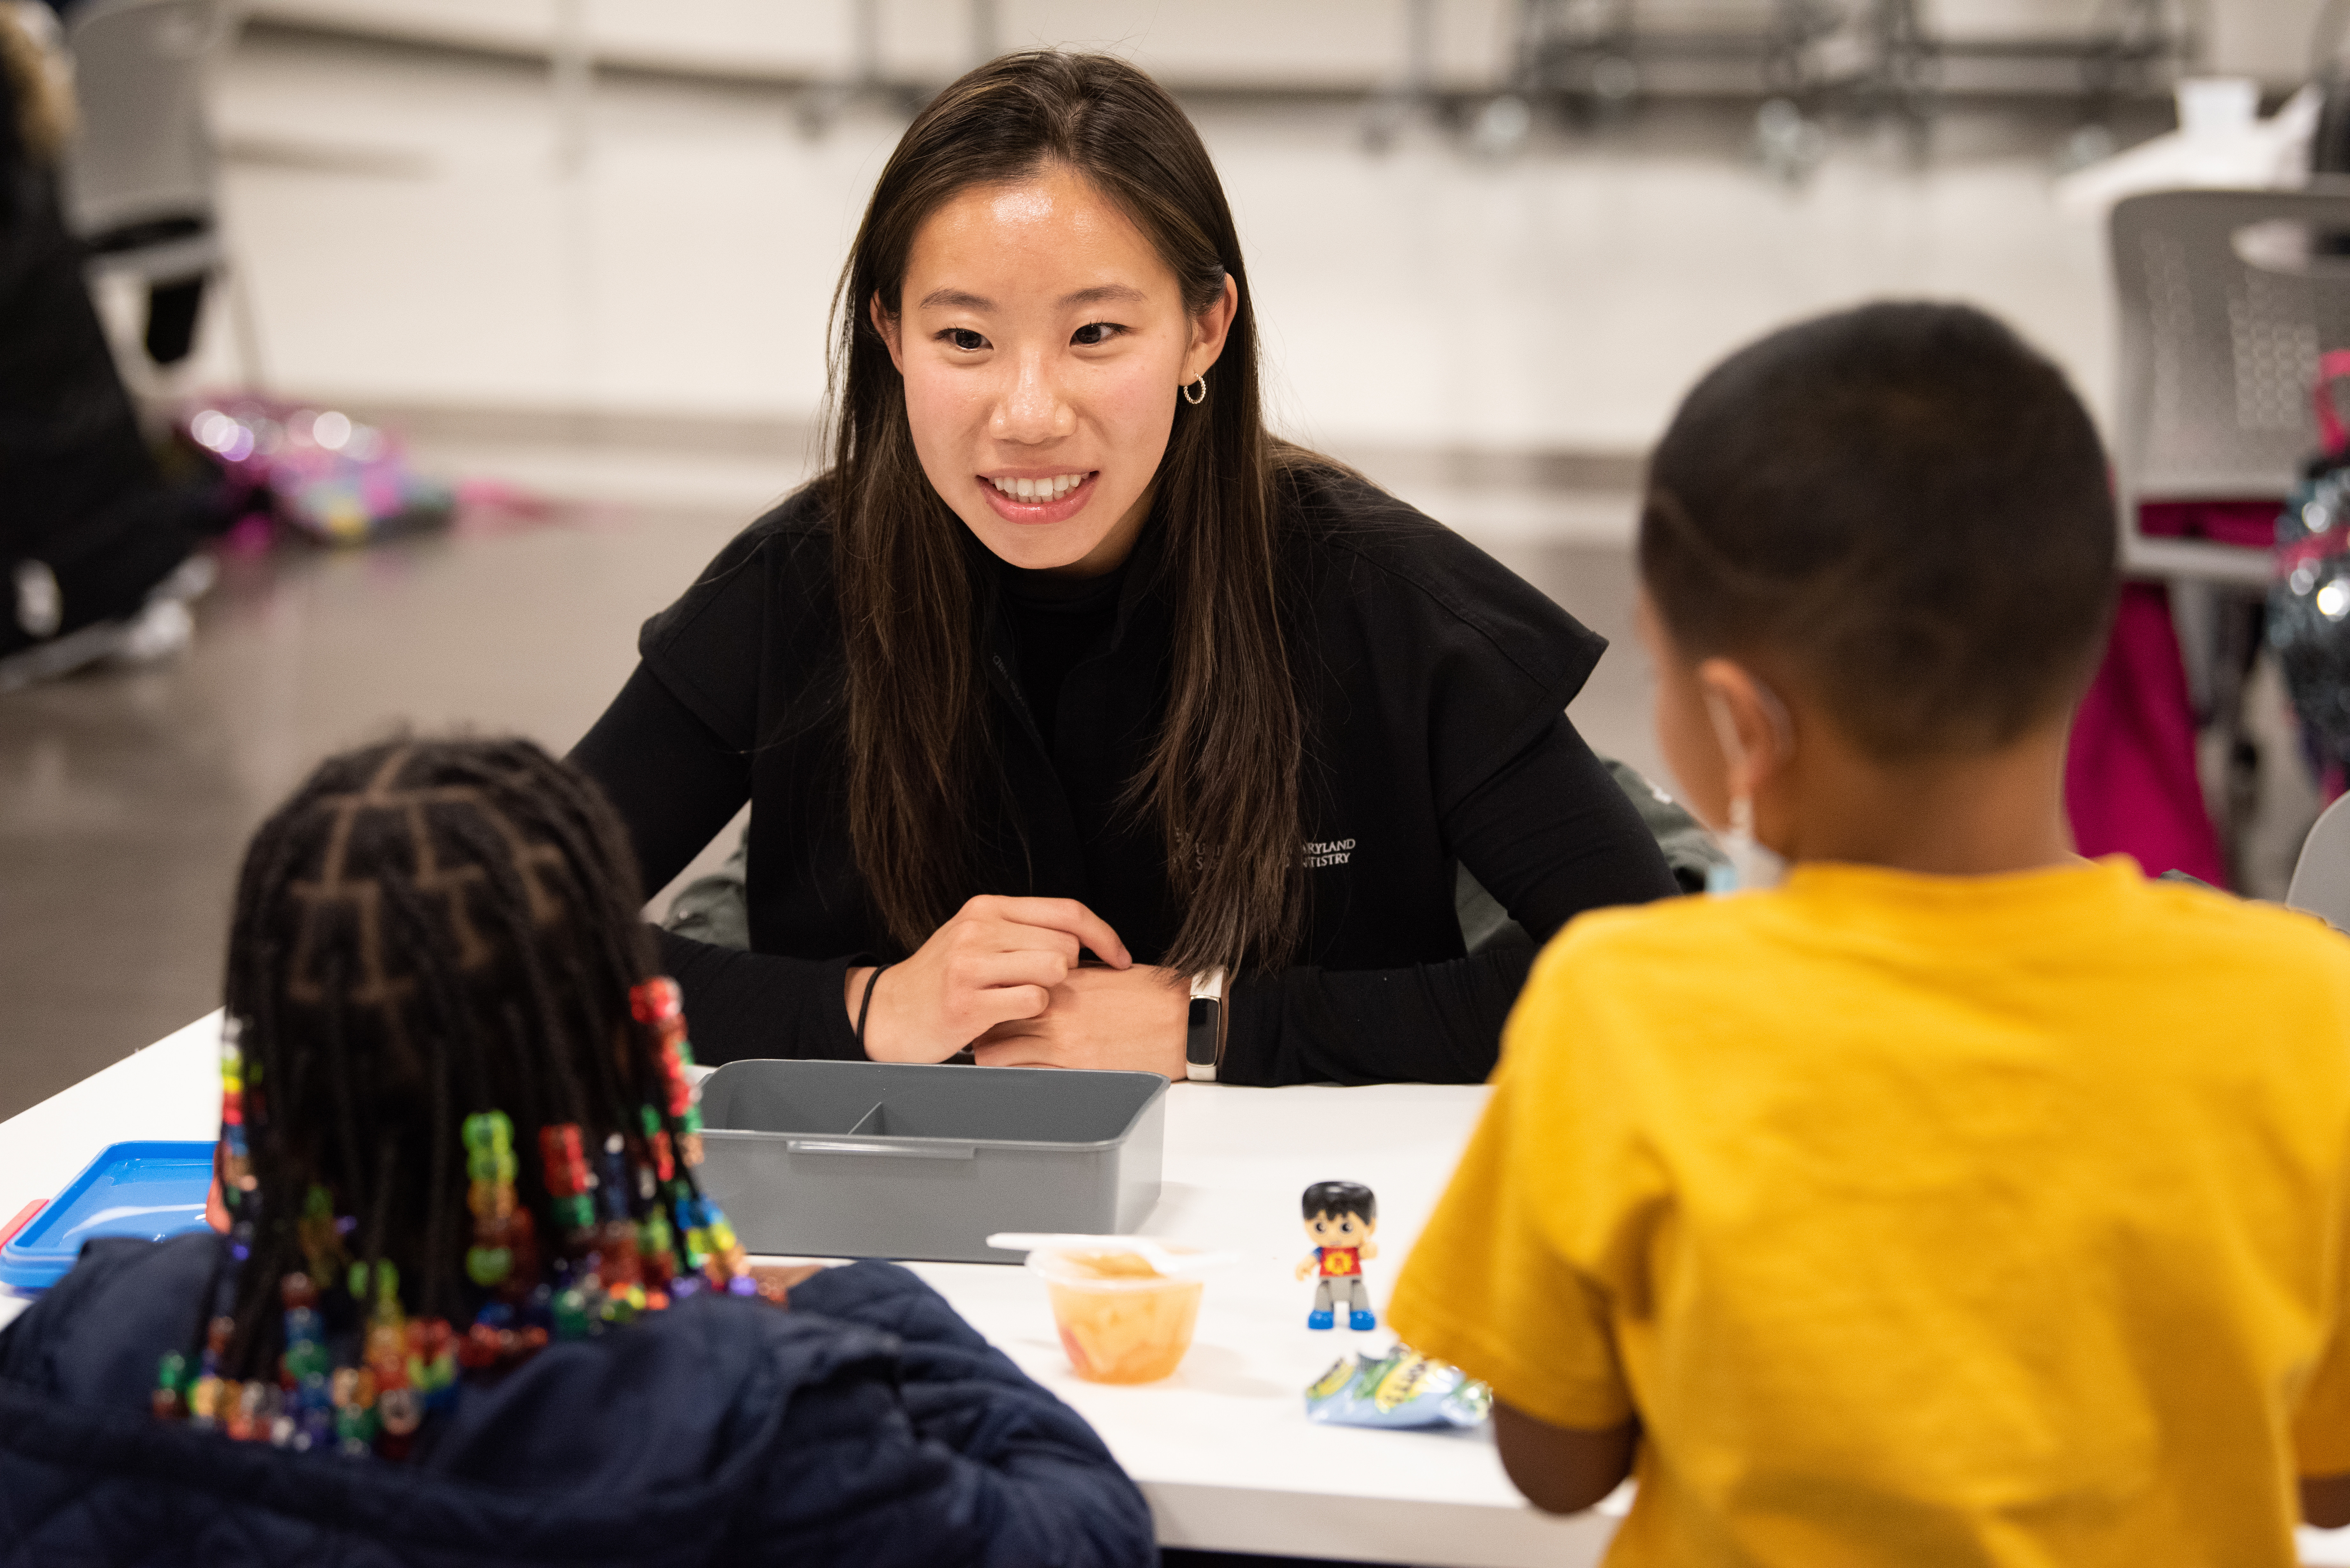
x=2130, y=781
x=317, y=470
x=487, y=505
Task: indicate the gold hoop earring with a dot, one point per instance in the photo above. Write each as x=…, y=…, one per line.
x=1197, y=392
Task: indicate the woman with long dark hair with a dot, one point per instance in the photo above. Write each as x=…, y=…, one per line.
x=1065, y=654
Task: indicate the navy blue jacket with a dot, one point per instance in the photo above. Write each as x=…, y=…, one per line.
x=867, y=1425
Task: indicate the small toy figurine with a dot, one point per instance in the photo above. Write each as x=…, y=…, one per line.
x=1341, y=1217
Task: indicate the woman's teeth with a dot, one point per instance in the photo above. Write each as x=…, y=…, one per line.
x=1039, y=489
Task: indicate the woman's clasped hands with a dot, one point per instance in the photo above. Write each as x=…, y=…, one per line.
x=1005, y=977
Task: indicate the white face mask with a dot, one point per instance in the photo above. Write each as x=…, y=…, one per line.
x=1753, y=863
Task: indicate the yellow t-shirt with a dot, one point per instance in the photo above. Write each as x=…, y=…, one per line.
x=1922, y=1220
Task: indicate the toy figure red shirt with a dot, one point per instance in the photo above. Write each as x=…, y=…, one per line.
x=1340, y=1220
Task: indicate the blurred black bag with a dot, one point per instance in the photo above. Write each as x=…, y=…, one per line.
x=2309, y=602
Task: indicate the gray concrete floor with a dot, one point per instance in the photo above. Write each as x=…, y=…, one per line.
x=126, y=797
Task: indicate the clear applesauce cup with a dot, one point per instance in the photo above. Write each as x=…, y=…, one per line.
x=1121, y=1320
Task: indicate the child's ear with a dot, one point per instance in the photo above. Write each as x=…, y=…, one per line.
x=1750, y=725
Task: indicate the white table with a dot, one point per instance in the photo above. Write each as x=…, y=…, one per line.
x=1222, y=1450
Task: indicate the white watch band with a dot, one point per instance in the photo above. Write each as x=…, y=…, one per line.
x=1203, y=1029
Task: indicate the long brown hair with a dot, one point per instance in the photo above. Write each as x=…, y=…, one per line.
x=1222, y=776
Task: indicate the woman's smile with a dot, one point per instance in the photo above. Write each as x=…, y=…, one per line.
x=1032, y=498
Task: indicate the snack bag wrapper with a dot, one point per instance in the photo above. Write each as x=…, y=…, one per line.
x=1401, y=1389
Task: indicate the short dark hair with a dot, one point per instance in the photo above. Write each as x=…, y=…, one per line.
x=1335, y=1198
x=1909, y=504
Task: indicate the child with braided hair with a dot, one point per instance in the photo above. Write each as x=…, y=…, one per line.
x=472, y=1304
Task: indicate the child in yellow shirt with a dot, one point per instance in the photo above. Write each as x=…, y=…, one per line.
x=1953, y=1200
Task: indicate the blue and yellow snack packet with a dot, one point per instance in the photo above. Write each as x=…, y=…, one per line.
x=1401, y=1389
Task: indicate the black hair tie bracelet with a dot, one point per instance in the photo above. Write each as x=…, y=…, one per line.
x=866, y=1006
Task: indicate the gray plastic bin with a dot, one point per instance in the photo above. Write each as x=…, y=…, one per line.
x=879, y=1159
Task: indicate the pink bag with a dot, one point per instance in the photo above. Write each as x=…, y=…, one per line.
x=317, y=471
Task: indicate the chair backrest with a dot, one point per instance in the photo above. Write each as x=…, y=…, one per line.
x=143, y=154
x=2321, y=878
x=2226, y=299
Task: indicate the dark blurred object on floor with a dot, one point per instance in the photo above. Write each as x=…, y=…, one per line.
x=92, y=541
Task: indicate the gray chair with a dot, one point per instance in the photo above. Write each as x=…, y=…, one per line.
x=139, y=181
x=2320, y=878
x=2225, y=298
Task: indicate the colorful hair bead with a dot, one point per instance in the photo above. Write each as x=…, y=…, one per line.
x=656, y=1001
x=614, y=1185
x=386, y=1339
x=573, y=1313
x=320, y=1234
x=241, y=1404
x=305, y=1366
x=660, y=1007
x=204, y=1407
x=403, y=1411
x=302, y=1367
x=664, y=1165
x=171, y=1381
x=236, y=1158
x=505, y=1252
x=432, y=1360
x=656, y=1249
x=353, y=1391
x=564, y=1165
x=619, y=1264
x=711, y=1247
x=487, y=1346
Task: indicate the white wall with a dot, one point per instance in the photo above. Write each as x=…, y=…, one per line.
x=2265, y=38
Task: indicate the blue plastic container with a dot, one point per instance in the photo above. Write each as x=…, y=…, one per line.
x=145, y=1189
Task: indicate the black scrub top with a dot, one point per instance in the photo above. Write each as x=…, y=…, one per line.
x=1433, y=683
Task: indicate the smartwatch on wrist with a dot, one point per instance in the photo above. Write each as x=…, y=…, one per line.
x=1203, y=1035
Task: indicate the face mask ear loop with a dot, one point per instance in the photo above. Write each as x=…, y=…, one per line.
x=1734, y=752
x=1753, y=863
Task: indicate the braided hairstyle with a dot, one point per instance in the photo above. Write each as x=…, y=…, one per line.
x=430, y=933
